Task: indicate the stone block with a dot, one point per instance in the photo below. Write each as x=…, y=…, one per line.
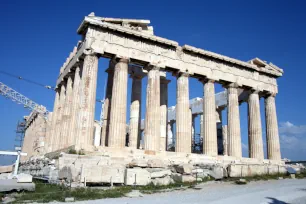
x=134, y=194
x=162, y=181
x=69, y=199
x=162, y=173
x=24, y=178
x=12, y=184
x=69, y=173
x=182, y=178
x=184, y=169
x=195, y=171
x=216, y=172
x=139, y=177
x=104, y=174
x=248, y=170
x=138, y=163
x=156, y=163
x=6, y=169
x=5, y=176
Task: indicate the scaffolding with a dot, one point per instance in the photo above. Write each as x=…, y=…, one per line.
x=20, y=130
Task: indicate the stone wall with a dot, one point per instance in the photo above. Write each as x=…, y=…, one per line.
x=137, y=168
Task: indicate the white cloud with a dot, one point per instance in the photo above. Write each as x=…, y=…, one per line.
x=289, y=128
x=293, y=141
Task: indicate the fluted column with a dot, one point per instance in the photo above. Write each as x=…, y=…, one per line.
x=201, y=127
x=255, y=130
x=59, y=113
x=75, y=109
x=88, y=101
x=169, y=134
x=117, y=126
x=183, y=117
x=225, y=140
x=210, y=145
x=52, y=133
x=66, y=115
x=152, y=121
x=193, y=135
x=273, y=145
x=233, y=122
x=163, y=110
x=107, y=103
x=135, y=114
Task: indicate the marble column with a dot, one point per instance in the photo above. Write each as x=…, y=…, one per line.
x=183, y=118
x=59, y=115
x=52, y=134
x=152, y=121
x=169, y=134
x=75, y=106
x=163, y=110
x=225, y=140
x=233, y=122
x=255, y=129
x=117, y=125
x=210, y=145
x=107, y=103
x=273, y=145
x=88, y=101
x=193, y=132
x=135, y=111
x=67, y=115
x=201, y=127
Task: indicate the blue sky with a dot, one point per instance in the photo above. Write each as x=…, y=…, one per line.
x=37, y=36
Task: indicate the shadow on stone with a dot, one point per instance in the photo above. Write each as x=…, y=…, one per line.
x=275, y=201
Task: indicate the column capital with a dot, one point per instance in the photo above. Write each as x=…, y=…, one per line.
x=231, y=85
x=181, y=73
x=270, y=94
x=206, y=80
x=163, y=80
x=254, y=91
x=151, y=67
x=124, y=60
x=90, y=51
x=134, y=75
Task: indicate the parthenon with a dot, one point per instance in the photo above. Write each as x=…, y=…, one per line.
x=162, y=143
x=135, y=51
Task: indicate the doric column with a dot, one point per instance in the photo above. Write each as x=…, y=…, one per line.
x=233, y=122
x=219, y=130
x=210, y=145
x=117, y=125
x=135, y=114
x=163, y=110
x=169, y=134
x=225, y=140
x=59, y=115
x=193, y=135
x=152, y=122
x=201, y=127
x=255, y=130
x=65, y=142
x=75, y=109
x=183, y=117
x=52, y=133
x=88, y=101
x=107, y=103
x=273, y=146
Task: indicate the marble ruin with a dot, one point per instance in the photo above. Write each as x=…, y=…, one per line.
x=135, y=52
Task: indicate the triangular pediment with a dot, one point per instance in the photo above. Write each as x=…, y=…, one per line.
x=266, y=67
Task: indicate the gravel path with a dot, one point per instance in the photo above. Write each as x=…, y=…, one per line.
x=291, y=191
